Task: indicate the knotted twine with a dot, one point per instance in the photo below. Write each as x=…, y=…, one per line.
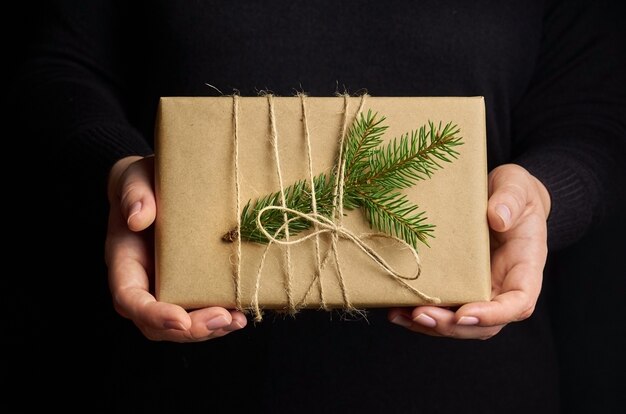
x=321, y=224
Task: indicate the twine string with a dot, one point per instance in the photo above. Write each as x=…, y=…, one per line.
x=283, y=201
x=318, y=262
x=326, y=225
x=237, y=273
x=321, y=224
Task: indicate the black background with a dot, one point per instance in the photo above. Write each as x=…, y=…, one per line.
x=56, y=313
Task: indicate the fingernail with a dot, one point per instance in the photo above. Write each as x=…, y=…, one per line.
x=402, y=321
x=468, y=320
x=238, y=324
x=504, y=213
x=216, y=322
x=174, y=325
x=134, y=209
x=425, y=320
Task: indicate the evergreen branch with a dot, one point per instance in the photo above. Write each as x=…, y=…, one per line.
x=297, y=197
x=392, y=213
x=409, y=159
x=373, y=174
x=364, y=135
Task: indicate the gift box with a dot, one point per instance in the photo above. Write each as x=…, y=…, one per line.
x=216, y=157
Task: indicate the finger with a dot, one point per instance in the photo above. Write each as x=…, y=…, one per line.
x=440, y=322
x=140, y=306
x=449, y=325
x=402, y=317
x=508, y=187
x=517, y=301
x=128, y=282
x=173, y=335
x=516, y=283
x=238, y=321
x=155, y=315
x=436, y=320
x=510, y=306
x=136, y=194
x=208, y=320
x=527, y=247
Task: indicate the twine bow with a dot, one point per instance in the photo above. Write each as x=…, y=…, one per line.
x=321, y=224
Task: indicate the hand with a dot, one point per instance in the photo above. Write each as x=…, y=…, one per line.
x=129, y=256
x=517, y=211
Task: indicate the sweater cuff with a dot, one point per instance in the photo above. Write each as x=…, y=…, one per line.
x=105, y=144
x=571, y=210
x=90, y=152
x=100, y=146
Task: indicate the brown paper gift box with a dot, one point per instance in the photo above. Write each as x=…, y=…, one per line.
x=196, y=203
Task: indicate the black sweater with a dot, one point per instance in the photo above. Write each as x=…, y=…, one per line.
x=553, y=76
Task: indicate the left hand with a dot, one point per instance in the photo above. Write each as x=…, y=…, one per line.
x=129, y=254
x=517, y=211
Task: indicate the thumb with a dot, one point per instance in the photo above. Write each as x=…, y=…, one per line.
x=136, y=193
x=508, y=196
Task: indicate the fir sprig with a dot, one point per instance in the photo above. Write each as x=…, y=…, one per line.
x=373, y=175
x=392, y=213
x=298, y=197
x=411, y=158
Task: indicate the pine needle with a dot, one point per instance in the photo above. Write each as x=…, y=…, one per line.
x=374, y=174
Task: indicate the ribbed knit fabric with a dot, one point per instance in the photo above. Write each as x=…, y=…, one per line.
x=571, y=213
x=107, y=143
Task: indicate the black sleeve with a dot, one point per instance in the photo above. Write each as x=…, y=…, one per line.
x=570, y=128
x=68, y=93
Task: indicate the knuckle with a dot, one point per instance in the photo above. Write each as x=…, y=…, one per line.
x=527, y=312
x=218, y=334
x=150, y=334
x=193, y=336
x=118, y=308
x=449, y=331
x=118, y=302
x=124, y=304
x=516, y=195
x=132, y=191
x=190, y=336
x=489, y=334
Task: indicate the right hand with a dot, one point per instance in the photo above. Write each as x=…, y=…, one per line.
x=130, y=260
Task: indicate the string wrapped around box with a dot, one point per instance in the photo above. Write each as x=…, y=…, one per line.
x=321, y=224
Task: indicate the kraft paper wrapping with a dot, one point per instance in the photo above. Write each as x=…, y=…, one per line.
x=196, y=199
